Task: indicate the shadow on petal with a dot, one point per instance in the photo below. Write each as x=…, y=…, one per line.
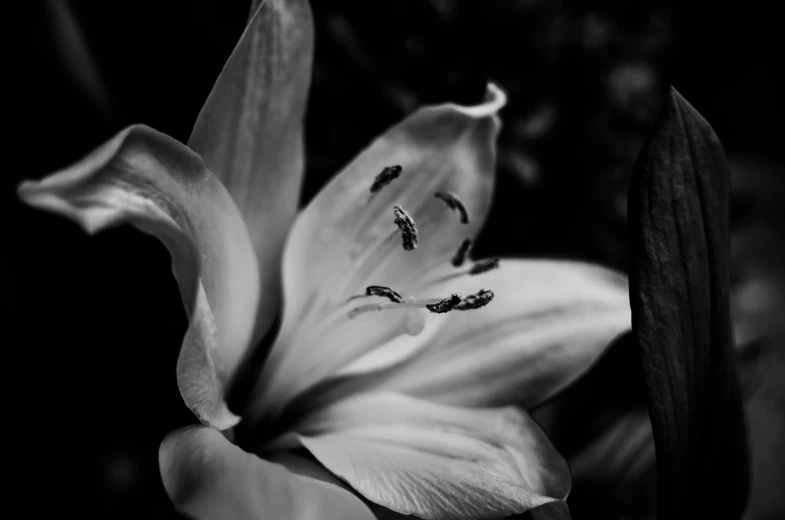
x=207, y=477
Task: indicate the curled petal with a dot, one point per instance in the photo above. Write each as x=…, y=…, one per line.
x=147, y=178
x=547, y=324
x=346, y=239
x=249, y=131
x=437, y=461
x=207, y=477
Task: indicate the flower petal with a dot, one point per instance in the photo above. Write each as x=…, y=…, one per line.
x=342, y=232
x=147, y=178
x=249, y=131
x=346, y=239
x=547, y=324
x=437, y=461
x=207, y=477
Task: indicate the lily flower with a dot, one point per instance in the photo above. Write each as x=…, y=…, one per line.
x=401, y=366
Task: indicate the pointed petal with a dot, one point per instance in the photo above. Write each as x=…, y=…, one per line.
x=249, y=131
x=679, y=276
x=346, y=239
x=548, y=323
x=147, y=178
x=437, y=461
x=207, y=478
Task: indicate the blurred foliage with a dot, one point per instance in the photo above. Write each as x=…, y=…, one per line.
x=95, y=322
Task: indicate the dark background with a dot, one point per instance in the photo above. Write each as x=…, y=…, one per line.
x=95, y=323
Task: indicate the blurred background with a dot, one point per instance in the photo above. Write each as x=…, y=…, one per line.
x=95, y=323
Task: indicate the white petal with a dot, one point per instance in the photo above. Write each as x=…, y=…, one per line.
x=209, y=478
x=249, y=132
x=147, y=178
x=547, y=324
x=437, y=461
x=346, y=240
x=337, y=242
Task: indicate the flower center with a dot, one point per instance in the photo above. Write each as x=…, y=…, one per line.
x=434, y=305
x=294, y=378
x=414, y=318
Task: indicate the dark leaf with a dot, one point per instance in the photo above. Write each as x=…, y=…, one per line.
x=679, y=276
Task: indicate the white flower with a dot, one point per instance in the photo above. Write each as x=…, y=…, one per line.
x=414, y=398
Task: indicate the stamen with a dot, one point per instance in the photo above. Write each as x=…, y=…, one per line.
x=454, y=203
x=483, y=266
x=408, y=230
x=446, y=305
x=388, y=174
x=384, y=292
x=480, y=267
x=462, y=253
x=475, y=301
x=411, y=303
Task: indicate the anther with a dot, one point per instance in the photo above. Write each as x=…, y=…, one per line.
x=387, y=175
x=446, y=305
x=454, y=203
x=437, y=305
x=462, y=253
x=475, y=301
x=406, y=225
x=483, y=266
x=384, y=292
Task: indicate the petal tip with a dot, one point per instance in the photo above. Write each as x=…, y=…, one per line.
x=495, y=99
x=38, y=195
x=27, y=192
x=43, y=195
